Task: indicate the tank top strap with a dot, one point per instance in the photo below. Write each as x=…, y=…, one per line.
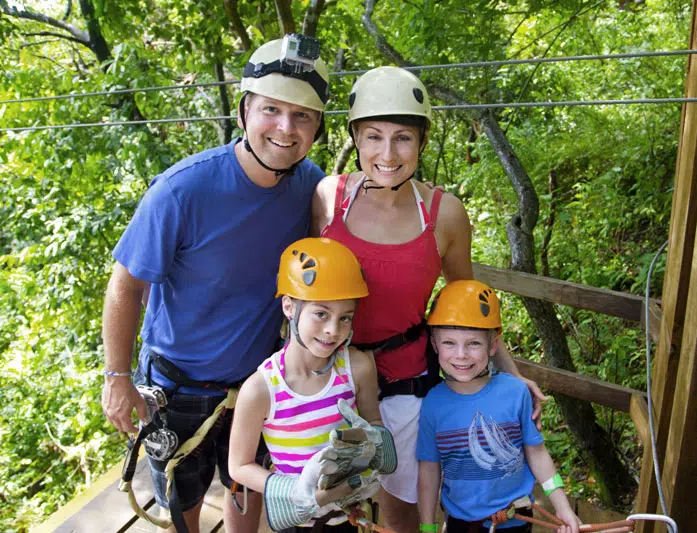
x=341, y=204
x=435, y=205
x=339, y=196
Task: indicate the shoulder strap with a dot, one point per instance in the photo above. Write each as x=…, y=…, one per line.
x=339, y=197
x=435, y=204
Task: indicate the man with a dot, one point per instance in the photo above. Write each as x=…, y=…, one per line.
x=205, y=242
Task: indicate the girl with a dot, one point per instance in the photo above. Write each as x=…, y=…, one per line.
x=293, y=397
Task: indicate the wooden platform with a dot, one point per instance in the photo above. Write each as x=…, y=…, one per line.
x=105, y=509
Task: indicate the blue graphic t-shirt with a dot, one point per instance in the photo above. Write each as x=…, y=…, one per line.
x=478, y=440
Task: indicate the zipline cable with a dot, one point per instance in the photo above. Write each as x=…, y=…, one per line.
x=571, y=103
x=474, y=64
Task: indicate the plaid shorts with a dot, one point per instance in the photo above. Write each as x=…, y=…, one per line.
x=185, y=414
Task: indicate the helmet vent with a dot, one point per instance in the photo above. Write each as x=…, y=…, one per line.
x=309, y=277
x=310, y=263
x=352, y=99
x=303, y=256
x=418, y=94
x=484, y=305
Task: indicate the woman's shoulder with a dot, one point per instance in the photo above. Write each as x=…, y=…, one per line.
x=327, y=186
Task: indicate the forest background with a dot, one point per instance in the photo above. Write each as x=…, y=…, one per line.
x=601, y=178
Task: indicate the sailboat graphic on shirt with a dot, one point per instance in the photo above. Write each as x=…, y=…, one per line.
x=501, y=452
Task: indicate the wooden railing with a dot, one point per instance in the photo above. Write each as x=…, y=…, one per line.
x=603, y=301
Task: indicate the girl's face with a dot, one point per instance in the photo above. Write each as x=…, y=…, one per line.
x=463, y=354
x=389, y=153
x=323, y=326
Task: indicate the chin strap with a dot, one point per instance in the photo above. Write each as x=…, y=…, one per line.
x=395, y=188
x=332, y=358
x=293, y=323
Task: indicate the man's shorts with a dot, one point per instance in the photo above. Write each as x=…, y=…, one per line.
x=185, y=414
x=400, y=414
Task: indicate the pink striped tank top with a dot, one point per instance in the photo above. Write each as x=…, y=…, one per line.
x=298, y=426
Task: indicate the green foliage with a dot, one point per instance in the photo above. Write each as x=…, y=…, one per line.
x=66, y=195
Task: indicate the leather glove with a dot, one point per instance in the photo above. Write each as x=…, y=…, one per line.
x=290, y=500
x=357, y=449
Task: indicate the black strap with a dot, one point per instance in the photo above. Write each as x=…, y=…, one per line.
x=418, y=387
x=173, y=373
x=412, y=334
x=312, y=77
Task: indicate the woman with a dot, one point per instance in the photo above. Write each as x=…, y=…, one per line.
x=405, y=235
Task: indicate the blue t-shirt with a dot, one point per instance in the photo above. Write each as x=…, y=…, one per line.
x=209, y=241
x=478, y=440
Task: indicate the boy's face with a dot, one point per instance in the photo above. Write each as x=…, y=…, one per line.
x=463, y=354
x=323, y=326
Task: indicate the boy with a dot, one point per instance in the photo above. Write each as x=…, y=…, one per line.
x=475, y=427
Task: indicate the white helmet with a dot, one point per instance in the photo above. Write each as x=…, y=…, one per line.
x=270, y=73
x=385, y=91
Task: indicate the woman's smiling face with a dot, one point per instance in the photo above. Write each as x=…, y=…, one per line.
x=389, y=152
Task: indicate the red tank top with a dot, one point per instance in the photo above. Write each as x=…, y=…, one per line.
x=400, y=279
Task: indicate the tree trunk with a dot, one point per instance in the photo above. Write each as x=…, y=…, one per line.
x=286, y=24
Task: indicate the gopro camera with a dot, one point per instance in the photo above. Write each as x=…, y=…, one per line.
x=161, y=443
x=299, y=52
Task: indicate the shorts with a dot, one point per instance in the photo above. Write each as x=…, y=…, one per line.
x=400, y=414
x=194, y=475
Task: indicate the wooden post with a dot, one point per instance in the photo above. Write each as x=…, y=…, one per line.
x=676, y=349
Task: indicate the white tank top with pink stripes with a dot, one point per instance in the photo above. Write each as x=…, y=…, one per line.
x=298, y=426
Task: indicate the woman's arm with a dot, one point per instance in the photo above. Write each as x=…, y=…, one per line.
x=251, y=409
x=429, y=484
x=543, y=468
x=456, y=247
x=365, y=377
x=454, y=233
x=323, y=204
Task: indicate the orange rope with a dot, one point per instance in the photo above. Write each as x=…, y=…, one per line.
x=499, y=517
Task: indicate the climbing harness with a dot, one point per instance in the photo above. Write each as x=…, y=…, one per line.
x=161, y=442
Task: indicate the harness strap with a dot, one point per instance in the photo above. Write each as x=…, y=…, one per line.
x=396, y=341
x=179, y=377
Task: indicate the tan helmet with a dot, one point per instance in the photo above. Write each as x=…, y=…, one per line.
x=320, y=269
x=307, y=89
x=467, y=304
x=388, y=91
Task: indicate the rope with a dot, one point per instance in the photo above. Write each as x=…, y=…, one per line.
x=618, y=526
x=418, y=68
x=356, y=518
x=571, y=103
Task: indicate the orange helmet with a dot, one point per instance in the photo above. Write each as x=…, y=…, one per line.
x=319, y=269
x=466, y=303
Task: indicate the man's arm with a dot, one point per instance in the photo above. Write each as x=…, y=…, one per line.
x=120, y=320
